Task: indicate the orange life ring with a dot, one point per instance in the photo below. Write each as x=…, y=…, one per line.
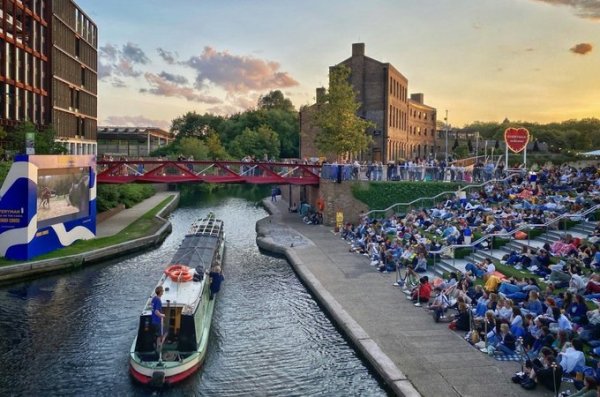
x=179, y=273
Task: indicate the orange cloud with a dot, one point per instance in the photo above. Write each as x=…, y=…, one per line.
x=235, y=73
x=164, y=87
x=582, y=48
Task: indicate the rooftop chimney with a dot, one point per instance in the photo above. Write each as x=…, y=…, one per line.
x=320, y=94
x=417, y=97
x=358, y=49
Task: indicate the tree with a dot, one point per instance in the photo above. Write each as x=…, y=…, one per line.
x=45, y=142
x=455, y=144
x=275, y=100
x=191, y=146
x=3, y=136
x=194, y=124
x=258, y=143
x=340, y=129
x=45, y=139
x=215, y=149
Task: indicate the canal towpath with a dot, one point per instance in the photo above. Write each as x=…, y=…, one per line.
x=126, y=217
x=109, y=227
x=413, y=355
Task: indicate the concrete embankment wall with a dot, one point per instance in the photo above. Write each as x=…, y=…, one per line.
x=270, y=226
x=27, y=270
x=336, y=197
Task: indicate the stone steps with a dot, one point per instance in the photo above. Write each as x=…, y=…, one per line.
x=582, y=230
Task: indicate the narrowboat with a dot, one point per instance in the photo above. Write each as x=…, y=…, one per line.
x=187, y=304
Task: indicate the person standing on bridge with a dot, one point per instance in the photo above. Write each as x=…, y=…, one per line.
x=274, y=194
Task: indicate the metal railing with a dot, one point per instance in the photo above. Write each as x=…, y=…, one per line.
x=526, y=227
x=433, y=198
x=404, y=172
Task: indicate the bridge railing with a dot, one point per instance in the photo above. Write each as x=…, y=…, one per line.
x=349, y=172
x=158, y=170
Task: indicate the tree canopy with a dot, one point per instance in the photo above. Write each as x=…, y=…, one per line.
x=45, y=139
x=341, y=130
x=581, y=134
x=275, y=100
x=274, y=123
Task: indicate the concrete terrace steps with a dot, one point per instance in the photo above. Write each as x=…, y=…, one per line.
x=585, y=227
x=581, y=230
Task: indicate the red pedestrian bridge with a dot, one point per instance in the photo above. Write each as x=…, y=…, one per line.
x=184, y=171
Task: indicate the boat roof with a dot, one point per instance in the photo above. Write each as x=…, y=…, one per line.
x=197, y=251
x=186, y=295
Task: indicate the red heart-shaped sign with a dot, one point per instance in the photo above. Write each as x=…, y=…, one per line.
x=516, y=139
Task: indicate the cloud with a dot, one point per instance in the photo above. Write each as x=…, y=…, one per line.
x=135, y=121
x=243, y=102
x=125, y=68
x=163, y=87
x=121, y=62
x=223, y=110
x=588, y=9
x=104, y=70
x=132, y=52
x=168, y=56
x=109, y=52
x=116, y=82
x=174, y=78
x=238, y=73
x=581, y=48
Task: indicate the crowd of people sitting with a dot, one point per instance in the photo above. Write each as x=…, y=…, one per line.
x=550, y=316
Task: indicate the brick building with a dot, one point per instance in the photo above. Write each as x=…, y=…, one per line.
x=405, y=125
x=48, y=73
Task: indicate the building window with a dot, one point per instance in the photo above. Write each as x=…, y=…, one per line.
x=82, y=77
x=77, y=47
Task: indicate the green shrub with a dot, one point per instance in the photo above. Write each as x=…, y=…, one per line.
x=109, y=196
x=381, y=195
x=4, y=168
x=566, y=224
x=460, y=253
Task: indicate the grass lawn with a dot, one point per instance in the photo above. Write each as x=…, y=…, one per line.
x=144, y=226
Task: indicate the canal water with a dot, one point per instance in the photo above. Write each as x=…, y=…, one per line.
x=69, y=334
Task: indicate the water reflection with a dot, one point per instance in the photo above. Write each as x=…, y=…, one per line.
x=70, y=334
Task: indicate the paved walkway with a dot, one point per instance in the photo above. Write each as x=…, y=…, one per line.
x=120, y=221
x=435, y=360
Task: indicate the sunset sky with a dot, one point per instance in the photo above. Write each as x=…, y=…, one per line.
x=534, y=60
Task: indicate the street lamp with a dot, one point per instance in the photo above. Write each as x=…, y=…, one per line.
x=446, y=126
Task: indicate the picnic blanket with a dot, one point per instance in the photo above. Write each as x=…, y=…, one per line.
x=508, y=357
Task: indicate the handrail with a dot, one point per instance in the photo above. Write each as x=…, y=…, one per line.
x=520, y=228
x=441, y=194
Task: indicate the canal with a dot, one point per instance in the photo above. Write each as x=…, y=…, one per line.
x=69, y=334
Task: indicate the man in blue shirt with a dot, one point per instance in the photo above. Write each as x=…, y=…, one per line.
x=157, y=317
